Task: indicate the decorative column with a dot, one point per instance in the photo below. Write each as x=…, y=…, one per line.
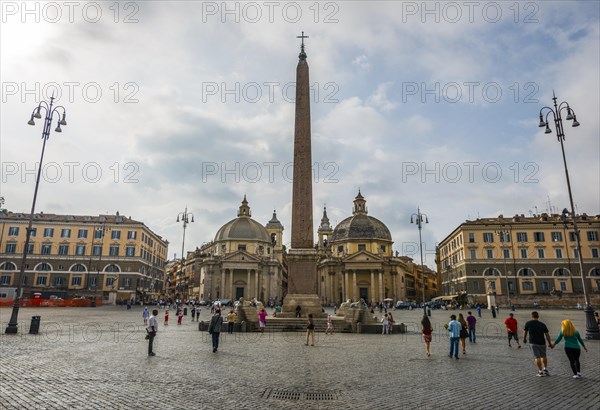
x=231, y=284
x=394, y=289
x=354, y=289
x=372, y=286
x=380, y=286
x=222, y=287
x=256, y=283
x=248, y=282
x=346, y=289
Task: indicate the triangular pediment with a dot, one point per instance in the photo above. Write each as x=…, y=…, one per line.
x=240, y=256
x=362, y=256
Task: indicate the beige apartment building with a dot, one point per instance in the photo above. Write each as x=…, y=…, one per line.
x=71, y=255
x=521, y=258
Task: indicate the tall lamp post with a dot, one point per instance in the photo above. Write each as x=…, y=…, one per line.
x=418, y=219
x=61, y=115
x=99, y=231
x=504, y=236
x=591, y=331
x=185, y=217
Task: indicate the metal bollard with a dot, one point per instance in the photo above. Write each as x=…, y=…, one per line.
x=34, y=328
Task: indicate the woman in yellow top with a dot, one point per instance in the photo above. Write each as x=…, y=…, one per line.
x=230, y=321
x=572, y=342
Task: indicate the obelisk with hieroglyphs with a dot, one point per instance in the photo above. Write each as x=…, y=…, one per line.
x=302, y=257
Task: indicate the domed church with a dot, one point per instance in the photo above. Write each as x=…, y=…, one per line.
x=245, y=259
x=357, y=261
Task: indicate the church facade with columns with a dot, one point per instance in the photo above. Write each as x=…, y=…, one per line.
x=356, y=261
x=245, y=259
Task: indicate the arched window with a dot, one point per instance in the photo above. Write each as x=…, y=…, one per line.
x=526, y=272
x=78, y=268
x=8, y=266
x=595, y=272
x=113, y=268
x=43, y=267
x=561, y=272
x=491, y=272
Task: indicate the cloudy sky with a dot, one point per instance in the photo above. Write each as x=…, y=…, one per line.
x=173, y=104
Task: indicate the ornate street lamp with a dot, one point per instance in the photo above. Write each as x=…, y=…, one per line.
x=61, y=115
x=418, y=219
x=186, y=217
x=591, y=331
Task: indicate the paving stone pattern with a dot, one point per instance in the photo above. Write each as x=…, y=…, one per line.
x=86, y=358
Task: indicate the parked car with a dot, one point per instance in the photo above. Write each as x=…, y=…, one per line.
x=403, y=305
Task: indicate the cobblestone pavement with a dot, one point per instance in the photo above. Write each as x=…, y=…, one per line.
x=86, y=358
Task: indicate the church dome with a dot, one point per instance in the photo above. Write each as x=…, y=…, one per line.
x=243, y=228
x=360, y=225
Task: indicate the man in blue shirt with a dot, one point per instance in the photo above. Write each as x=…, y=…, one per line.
x=454, y=329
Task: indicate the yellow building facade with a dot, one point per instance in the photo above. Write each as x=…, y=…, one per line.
x=79, y=255
x=520, y=256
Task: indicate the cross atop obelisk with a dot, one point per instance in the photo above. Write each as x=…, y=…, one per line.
x=302, y=55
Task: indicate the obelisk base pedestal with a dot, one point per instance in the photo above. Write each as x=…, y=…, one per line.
x=308, y=303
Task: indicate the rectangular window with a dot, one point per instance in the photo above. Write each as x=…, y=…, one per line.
x=340, y=248
x=59, y=281
x=63, y=249
x=527, y=286
x=41, y=280
x=115, y=235
x=30, y=248
x=65, y=233
x=538, y=236
x=558, y=253
x=362, y=247
x=130, y=251
x=504, y=236
x=595, y=253
x=97, y=250
x=76, y=281
x=126, y=282
x=572, y=237
x=110, y=281
x=382, y=248
x=131, y=234
x=563, y=286
x=541, y=254
x=114, y=250
x=46, y=249
x=11, y=248
x=80, y=250
x=92, y=280
x=545, y=286
x=506, y=253
x=475, y=285
x=82, y=233
x=240, y=248
x=492, y=286
x=557, y=237
x=13, y=231
x=5, y=280
x=511, y=286
x=592, y=235
x=575, y=253
x=98, y=233
x=523, y=253
x=488, y=237
x=471, y=237
x=489, y=253
x=48, y=232
x=521, y=236
x=33, y=232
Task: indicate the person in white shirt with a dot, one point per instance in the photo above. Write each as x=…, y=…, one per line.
x=152, y=329
x=386, y=323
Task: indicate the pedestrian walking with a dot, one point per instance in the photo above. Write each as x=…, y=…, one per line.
x=572, y=342
x=298, y=311
x=198, y=313
x=390, y=323
x=193, y=312
x=145, y=315
x=471, y=323
x=179, y=315
x=493, y=312
x=329, y=330
x=167, y=317
x=454, y=328
x=310, y=330
x=152, y=329
x=464, y=333
x=230, y=321
x=479, y=310
x=262, y=319
x=512, y=329
x=214, y=328
x=426, y=330
x=537, y=331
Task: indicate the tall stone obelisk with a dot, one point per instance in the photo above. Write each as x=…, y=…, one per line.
x=302, y=257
